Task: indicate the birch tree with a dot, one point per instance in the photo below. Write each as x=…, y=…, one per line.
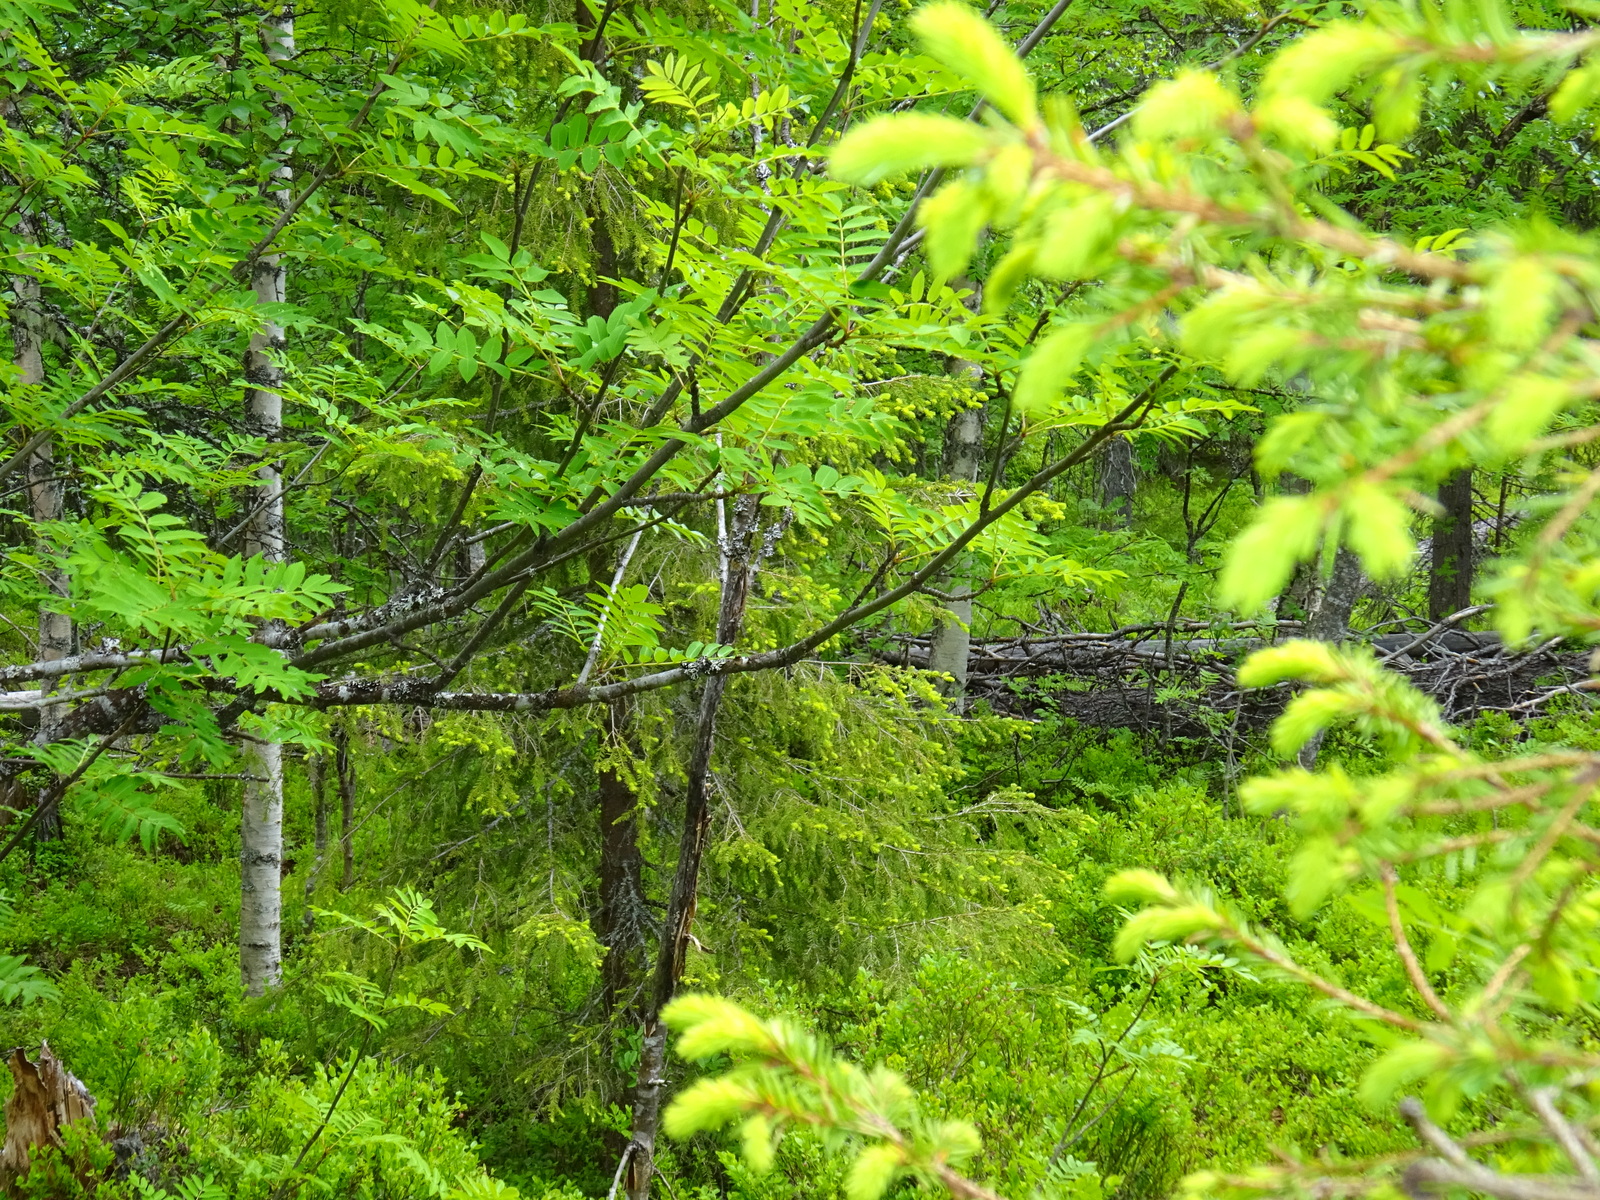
x=46, y=496
x=261, y=829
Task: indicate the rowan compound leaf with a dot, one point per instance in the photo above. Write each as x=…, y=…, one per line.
x=963, y=41
x=1263, y=557
x=873, y=1172
x=904, y=142
x=1050, y=368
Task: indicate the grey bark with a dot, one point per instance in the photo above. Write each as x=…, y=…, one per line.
x=261, y=827
x=46, y=500
x=317, y=777
x=1450, y=574
x=952, y=637
x=1119, y=478
x=744, y=547
x=345, y=776
x=963, y=458
x=1329, y=620
x=622, y=921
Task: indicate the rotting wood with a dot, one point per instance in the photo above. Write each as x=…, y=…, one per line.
x=47, y=1098
x=1102, y=679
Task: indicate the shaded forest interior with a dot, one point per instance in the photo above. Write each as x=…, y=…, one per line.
x=799, y=601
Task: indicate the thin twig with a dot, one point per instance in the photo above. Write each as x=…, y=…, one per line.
x=1402, y=945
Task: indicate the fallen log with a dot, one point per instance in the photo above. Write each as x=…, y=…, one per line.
x=1140, y=677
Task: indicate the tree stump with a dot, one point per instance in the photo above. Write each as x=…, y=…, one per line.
x=48, y=1097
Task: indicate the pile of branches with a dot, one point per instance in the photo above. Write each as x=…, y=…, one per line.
x=1178, y=680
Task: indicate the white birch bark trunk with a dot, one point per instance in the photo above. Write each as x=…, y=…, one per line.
x=261, y=829
x=952, y=639
x=47, y=491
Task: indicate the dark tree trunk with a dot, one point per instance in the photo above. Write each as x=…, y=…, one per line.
x=317, y=777
x=744, y=547
x=622, y=922
x=1450, y=576
x=603, y=295
x=1118, y=480
x=345, y=773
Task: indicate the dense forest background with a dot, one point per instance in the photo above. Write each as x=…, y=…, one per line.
x=1048, y=550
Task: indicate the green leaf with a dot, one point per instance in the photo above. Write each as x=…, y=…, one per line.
x=705, y=1105
x=1324, y=62
x=1519, y=302
x=905, y=142
x=873, y=1171
x=755, y=1137
x=1378, y=528
x=1139, y=886
x=1297, y=122
x=1307, y=715
x=1050, y=368
x=1316, y=662
x=967, y=44
x=711, y=1025
x=1576, y=93
x=1318, y=868
x=1402, y=1065
x=1076, y=239
x=1398, y=105
x=1194, y=104
x=1528, y=404
x=1163, y=925
x=1263, y=557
